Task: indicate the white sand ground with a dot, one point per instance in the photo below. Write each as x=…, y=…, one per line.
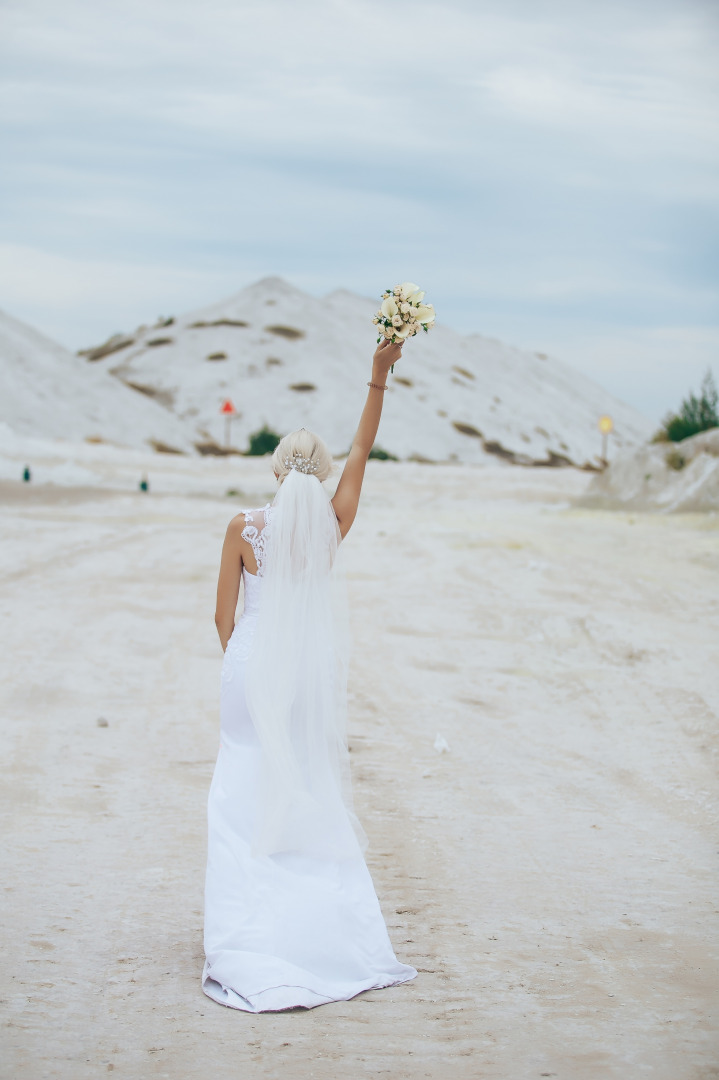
x=552, y=876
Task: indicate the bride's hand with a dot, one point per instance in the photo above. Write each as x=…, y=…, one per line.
x=386, y=354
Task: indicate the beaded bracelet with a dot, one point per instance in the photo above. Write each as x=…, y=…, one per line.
x=376, y=386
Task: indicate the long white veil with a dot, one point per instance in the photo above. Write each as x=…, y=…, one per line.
x=297, y=680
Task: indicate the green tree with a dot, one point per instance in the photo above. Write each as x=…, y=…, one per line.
x=696, y=414
x=262, y=442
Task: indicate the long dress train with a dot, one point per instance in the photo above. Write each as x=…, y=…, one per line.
x=282, y=930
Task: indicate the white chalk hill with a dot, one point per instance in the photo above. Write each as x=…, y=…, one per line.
x=288, y=360
x=47, y=391
x=679, y=477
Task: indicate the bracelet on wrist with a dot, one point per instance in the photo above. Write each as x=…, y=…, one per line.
x=377, y=386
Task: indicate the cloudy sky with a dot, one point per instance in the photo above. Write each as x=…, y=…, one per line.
x=548, y=171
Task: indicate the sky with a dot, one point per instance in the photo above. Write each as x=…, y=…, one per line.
x=546, y=171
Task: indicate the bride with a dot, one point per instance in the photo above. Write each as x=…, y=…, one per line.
x=291, y=915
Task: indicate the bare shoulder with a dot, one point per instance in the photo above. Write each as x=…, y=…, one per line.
x=237, y=526
x=249, y=520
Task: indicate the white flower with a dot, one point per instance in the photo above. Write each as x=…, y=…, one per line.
x=425, y=314
x=403, y=313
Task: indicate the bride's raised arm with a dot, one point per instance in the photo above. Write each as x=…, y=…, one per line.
x=347, y=496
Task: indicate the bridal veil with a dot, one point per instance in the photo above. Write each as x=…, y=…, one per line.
x=296, y=681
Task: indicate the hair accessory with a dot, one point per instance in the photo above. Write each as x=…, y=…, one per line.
x=377, y=386
x=301, y=464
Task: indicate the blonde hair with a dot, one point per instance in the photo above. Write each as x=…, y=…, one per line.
x=306, y=445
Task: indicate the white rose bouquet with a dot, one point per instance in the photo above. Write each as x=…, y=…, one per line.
x=403, y=313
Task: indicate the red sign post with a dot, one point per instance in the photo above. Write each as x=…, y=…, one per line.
x=228, y=410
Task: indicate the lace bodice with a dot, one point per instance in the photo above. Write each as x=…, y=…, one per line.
x=256, y=533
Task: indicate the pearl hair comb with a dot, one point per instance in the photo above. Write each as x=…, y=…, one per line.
x=301, y=464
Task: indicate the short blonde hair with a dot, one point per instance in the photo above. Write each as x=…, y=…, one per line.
x=310, y=447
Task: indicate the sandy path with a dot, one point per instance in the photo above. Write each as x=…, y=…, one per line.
x=552, y=875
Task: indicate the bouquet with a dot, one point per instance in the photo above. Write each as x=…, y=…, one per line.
x=402, y=313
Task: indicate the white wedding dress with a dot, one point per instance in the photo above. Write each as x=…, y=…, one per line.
x=283, y=930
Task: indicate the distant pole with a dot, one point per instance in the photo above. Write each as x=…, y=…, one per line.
x=606, y=426
x=26, y=474
x=228, y=410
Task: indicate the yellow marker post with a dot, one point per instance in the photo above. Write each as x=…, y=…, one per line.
x=605, y=425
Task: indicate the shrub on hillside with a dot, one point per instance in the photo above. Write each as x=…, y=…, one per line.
x=675, y=460
x=263, y=442
x=696, y=414
x=378, y=454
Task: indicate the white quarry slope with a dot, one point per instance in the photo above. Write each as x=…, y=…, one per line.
x=49, y=392
x=680, y=476
x=287, y=360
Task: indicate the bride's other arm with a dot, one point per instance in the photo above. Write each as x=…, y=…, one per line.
x=228, y=585
x=347, y=496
